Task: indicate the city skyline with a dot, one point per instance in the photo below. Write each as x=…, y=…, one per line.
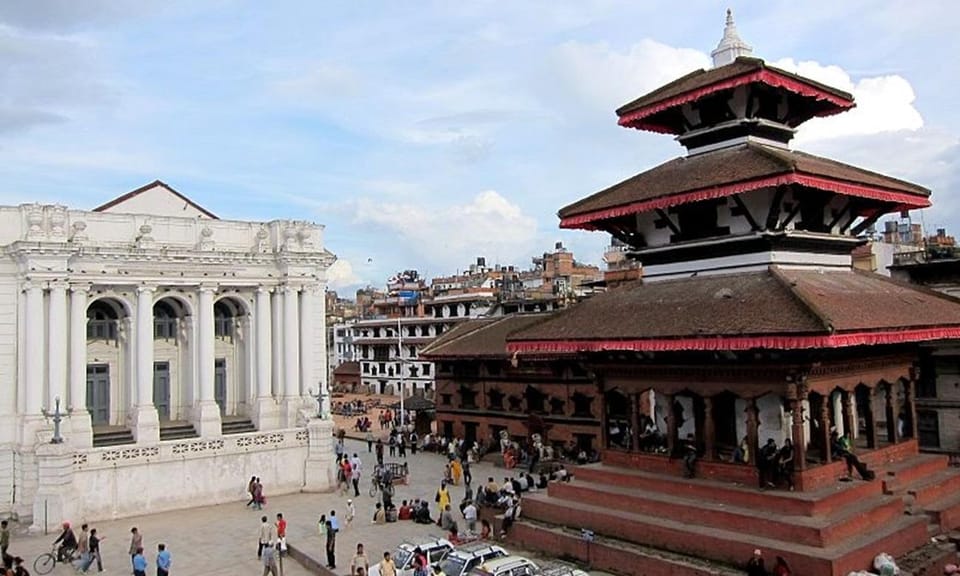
x=423, y=138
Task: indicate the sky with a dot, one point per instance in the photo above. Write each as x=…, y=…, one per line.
x=424, y=134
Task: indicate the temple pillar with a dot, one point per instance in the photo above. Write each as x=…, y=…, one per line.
x=753, y=429
x=709, y=431
x=871, y=422
x=825, y=428
x=604, y=439
x=671, y=426
x=910, y=403
x=634, y=422
x=796, y=418
x=849, y=419
x=893, y=431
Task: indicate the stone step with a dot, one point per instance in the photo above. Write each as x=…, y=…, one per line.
x=113, y=436
x=895, y=537
x=898, y=475
x=841, y=524
x=612, y=555
x=177, y=431
x=935, y=486
x=817, y=502
x=237, y=426
x=945, y=513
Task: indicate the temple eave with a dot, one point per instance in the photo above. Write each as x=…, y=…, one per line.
x=736, y=343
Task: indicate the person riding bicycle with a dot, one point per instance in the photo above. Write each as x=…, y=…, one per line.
x=68, y=543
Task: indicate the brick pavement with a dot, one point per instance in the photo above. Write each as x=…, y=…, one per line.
x=221, y=540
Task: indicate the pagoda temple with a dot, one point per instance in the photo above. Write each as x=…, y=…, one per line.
x=750, y=325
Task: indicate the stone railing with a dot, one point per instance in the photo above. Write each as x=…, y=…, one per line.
x=188, y=449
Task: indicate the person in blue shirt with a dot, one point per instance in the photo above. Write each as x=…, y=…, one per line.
x=163, y=560
x=139, y=563
x=333, y=521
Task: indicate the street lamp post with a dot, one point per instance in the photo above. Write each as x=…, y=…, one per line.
x=57, y=418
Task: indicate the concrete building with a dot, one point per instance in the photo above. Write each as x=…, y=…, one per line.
x=175, y=345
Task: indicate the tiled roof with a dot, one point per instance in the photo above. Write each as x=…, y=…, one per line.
x=729, y=166
x=347, y=369
x=774, y=302
x=704, y=78
x=486, y=337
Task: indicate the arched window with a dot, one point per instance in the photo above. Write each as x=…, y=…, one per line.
x=164, y=321
x=102, y=320
x=222, y=320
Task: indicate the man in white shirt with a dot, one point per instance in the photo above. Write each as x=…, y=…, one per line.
x=267, y=537
x=470, y=516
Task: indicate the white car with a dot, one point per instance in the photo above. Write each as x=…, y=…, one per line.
x=520, y=566
x=464, y=558
x=403, y=556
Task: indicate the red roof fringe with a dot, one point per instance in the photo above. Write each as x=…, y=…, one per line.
x=734, y=343
x=768, y=77
x=905, y=201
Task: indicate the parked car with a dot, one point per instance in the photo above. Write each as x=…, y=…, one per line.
x=521, y=566
x=464, y=558
x=434, y=549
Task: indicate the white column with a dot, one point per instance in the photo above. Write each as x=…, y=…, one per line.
x=307, y=383
x=81, y=434
x=57, y=345
x=322, y=371
x=291, y=356
x=78, y=348
x=207, y=415
x=144, y=331
x=33, y=352
x=205, y=353
x=265, y=413
x=264, y=357
x=291, y=342
x=146, y=421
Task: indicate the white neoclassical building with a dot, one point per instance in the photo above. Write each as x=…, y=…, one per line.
x=186, y=354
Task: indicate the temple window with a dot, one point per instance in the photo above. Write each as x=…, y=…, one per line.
x=535, y=400
x=468, y=397
x=582, y=406
x=556, y=406
x=495, y=399
x=426, y=369
x=445, y=399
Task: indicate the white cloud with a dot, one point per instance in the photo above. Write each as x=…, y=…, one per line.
x=606, y=78
x=446, y=237
x=884, y=103
x=341, y=275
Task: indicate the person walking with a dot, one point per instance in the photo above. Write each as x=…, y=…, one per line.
x=281, y=536
x=269, y=561
x=351, y=513
x=93, y=552
x=139, y=563
x=359, y=563
x=755, y=566
x=266, y=537
x=442, y=498
x=250, y=486
x=164, y=560
x=379, y=451
x=331, y=546
x=355, y=466
x=4, y=538
x=83, y=546
x=136, y=542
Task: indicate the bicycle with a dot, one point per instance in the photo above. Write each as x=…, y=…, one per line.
x=45, y=563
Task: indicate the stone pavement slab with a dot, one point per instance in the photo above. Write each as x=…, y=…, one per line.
x=222, y=540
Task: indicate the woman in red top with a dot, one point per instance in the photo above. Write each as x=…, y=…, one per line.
x=781, y=568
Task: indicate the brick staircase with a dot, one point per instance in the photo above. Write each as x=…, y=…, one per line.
x=656, y=522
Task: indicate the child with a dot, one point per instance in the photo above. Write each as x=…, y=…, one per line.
x=351, y=512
